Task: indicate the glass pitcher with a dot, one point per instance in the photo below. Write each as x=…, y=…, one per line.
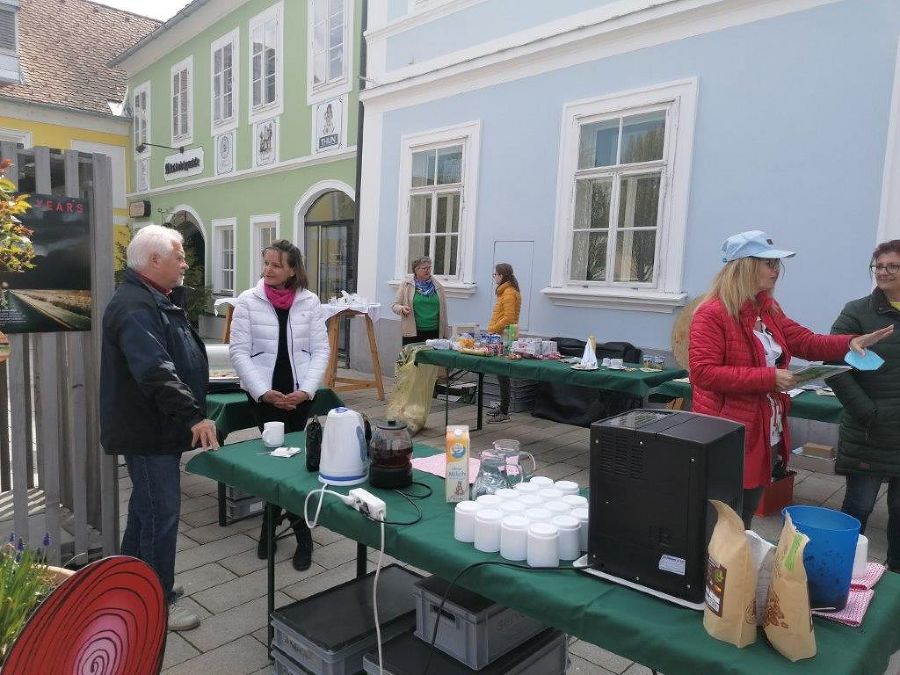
x=513, y=464
x=492, y=474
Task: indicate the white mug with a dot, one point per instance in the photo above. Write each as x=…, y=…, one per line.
x=273, y=434
x=616, y=364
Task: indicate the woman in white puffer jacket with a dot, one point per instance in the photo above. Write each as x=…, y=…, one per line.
x=279, y=349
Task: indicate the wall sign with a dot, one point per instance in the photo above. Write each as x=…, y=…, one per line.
x=225, y=153
x=329, y=125
x=55, y=295
x=139, y=209
x=183, y=164
x=265, y=142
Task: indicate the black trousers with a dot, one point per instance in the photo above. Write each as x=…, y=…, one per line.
x=504, y=394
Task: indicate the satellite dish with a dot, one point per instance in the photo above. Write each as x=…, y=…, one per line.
x=681, y=332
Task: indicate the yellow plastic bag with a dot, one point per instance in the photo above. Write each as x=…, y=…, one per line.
x=413, y=389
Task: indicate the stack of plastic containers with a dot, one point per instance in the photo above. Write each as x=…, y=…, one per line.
x=539, y=521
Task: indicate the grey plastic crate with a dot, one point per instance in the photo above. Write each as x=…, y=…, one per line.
x=491, y=381
x=236, y=494
x=472, y=628
x=235, y=510
x=330, y=632
x=545, y=654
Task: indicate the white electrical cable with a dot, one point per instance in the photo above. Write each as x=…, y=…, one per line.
x=322, y=492
x=375, y=603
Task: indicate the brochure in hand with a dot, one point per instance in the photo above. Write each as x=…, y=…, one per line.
x=817, y=371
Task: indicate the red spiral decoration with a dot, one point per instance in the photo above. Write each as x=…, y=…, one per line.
x=107, y=619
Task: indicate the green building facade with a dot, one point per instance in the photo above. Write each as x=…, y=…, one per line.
x=244, y=126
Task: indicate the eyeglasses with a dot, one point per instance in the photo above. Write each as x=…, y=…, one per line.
x=890, y=268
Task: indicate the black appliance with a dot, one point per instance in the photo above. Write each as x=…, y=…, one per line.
x=652, y=474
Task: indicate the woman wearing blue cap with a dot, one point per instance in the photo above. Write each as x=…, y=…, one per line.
x=741, y=343
x=869, y=451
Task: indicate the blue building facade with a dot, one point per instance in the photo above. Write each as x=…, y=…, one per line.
x=606, y=148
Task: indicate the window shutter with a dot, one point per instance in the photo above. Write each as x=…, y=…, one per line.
x=7, y=29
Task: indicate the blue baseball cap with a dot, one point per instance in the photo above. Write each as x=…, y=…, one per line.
x=751, y=244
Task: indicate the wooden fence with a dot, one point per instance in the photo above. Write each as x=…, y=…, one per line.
x=52, y=468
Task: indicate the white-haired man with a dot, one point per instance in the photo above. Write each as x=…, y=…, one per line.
x=153, y=379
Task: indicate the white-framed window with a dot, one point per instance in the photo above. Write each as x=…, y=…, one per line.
x=16, y=136
x=225, y=75
x=181, y=77
x=9, y=32
x=438, y=186
x=622, y=194
x=140, y=113
x=223, y=255
x=266, y=56
x=263, y=231
x=329, y=48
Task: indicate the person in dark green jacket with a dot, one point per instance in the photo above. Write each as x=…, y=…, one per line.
x=869, y=449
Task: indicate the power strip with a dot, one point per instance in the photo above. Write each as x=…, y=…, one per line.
x=368, y=504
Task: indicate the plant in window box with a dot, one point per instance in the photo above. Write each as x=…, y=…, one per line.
x=16, y=250
x=25, y=580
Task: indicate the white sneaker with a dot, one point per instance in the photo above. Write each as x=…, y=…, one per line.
x=181, y=618
x=177, y=590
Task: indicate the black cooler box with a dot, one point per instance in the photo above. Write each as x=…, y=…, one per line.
x=652, y=472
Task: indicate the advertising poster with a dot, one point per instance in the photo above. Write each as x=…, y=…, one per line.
x=55, y=294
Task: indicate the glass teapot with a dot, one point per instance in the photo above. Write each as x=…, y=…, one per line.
x=493, y=475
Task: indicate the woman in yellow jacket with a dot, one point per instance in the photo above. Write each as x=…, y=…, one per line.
x=506, y=312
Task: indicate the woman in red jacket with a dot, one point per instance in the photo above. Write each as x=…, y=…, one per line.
x=741, y=343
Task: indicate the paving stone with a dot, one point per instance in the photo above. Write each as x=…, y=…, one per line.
x=558, y=471
x=183, y=542
x=201, y=578
x=177, y=650
x=239, y=590
x=323, y=536
x=197, y=504
x=580, y=666
x=212, y=552
x=232, y=624
x=323, y=581
x=213, y=531
x=202, y=517
x=335, y=554
x=638, y=669
x=247, y=562
x=239, y=657
x=599, y=656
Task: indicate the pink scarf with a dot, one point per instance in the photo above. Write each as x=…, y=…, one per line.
x=281, y=298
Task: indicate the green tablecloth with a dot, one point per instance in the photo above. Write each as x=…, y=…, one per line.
x=659, y=635
x=232, y=411
x=809, y=405
x=634, y=382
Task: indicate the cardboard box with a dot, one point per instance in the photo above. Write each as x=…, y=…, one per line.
x=777, y=495
x=800, y=460
x=818, y=450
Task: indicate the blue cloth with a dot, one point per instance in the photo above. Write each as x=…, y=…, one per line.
x=152, y=526
x=425, y=287
x=859, y=501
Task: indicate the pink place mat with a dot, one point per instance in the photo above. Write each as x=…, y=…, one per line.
x=437, y=465
x=853, y=613
x=869, y=579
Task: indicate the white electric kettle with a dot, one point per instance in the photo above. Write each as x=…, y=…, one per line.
x=345, y=457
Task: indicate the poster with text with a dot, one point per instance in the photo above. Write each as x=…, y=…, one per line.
x=55, y=294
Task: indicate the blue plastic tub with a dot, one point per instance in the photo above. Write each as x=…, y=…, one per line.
x=828, y=557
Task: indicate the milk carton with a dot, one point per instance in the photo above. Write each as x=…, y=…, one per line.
x=457, y=483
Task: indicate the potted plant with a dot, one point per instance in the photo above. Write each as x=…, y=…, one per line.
x=25, y=580
x=16, y=250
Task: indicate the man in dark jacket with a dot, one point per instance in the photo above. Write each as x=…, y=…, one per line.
x=153, y=380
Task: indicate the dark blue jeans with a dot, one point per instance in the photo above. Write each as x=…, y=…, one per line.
x=862, y=491
x=153, y=511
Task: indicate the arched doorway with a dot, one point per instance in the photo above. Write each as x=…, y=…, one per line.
x=195, y=254
x=326, y=229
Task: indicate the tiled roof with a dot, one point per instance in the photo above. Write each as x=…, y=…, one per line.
x=64, y=49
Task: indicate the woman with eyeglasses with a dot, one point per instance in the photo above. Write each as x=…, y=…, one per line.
x=869, y=448
x=741, y=343
x=421, y=305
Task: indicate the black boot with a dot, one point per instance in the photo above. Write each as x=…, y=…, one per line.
x=261, y=551
x=303, y=555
